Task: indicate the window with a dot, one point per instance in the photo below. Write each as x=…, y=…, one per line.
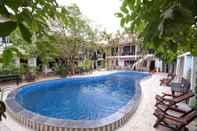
x=126, y=50
x=116, y=62
x=4, y=40
x=133, y=50
x=144, y=63
x=128, y=62
x=151, y=51
x=114, y=51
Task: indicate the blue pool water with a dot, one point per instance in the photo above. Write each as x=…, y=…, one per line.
x=82, y=98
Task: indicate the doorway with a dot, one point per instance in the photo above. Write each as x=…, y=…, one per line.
x=152, y=66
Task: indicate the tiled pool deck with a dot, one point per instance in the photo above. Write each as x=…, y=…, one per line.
x=142, y=119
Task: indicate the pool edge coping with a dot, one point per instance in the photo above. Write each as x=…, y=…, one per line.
x=117, y=119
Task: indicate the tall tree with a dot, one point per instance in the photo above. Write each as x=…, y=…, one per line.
x=43, y=47
x=74, y=35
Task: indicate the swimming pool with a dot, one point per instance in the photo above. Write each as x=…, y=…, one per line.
x=85, y=102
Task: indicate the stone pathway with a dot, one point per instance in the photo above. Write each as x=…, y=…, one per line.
x=142, y=119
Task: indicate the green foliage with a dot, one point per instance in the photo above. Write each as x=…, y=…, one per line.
x=61, y=70
x=25, y=33
x=33, y=71
x=73, y=39
x=167, y=26
x=7, y=27
x=24, y=69
x=74, y=36
x=7, y=56
x=29, y=16
x=44, y=47
x=9, y=69
x=103, y=64
x=87, y=65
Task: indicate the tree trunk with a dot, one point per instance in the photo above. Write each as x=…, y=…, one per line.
x=72, y=65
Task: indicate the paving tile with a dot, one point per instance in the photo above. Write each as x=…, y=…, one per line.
x=141, y=120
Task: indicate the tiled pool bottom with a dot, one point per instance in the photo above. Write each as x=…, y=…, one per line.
x=42, y=123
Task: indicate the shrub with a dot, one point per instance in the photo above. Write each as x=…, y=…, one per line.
x=86, y=65
x=24, y=69
x=61, y=70
x=9, y=69
x=79, y=69
x=103, y=64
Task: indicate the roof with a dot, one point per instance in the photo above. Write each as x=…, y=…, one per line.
x=184, y=54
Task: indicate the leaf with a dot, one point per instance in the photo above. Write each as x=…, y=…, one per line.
x=131, y=3
x=4, y=11
x=183, y=15
x=35, y=26
x=7, y=27
x=7, y=56
x=25, y=32
x=123, y=8
x=168, y=14
x=127, y=18
x=119, y=14
x=15, y=4
x=26, y=15
x=188, y=5
x=122, y=22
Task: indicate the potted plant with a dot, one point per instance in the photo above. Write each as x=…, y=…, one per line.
x=2, y=110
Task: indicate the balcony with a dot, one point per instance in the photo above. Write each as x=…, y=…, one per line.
x=125, y=57
x=127, y=53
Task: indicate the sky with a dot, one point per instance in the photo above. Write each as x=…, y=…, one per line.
x=100, y=12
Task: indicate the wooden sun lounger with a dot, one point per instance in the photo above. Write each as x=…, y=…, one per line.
x=175, y=108
x=169, y=101
x=166, y=81
x=182, y=87
x=174, y=122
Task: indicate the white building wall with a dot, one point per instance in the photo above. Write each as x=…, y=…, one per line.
x=32, y=62
x=185, y=67
x=193, y=78
x=158, y=64
x=181, y=68
x=194, y=73
x=121, y=63
x=178, y=62
x=17, y=61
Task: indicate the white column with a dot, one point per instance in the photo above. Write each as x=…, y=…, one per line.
x=157, y=64
x=17, y=61
x=193, y=77
x=32, y=62
x=148, y=65
x=194, y=73
x=136, y=51
x=170, y=68
x=161, y=65
x=185, y=67
x=178, y=66
x=45, y=69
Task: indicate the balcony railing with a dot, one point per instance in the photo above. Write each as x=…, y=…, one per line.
x=128, y=53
